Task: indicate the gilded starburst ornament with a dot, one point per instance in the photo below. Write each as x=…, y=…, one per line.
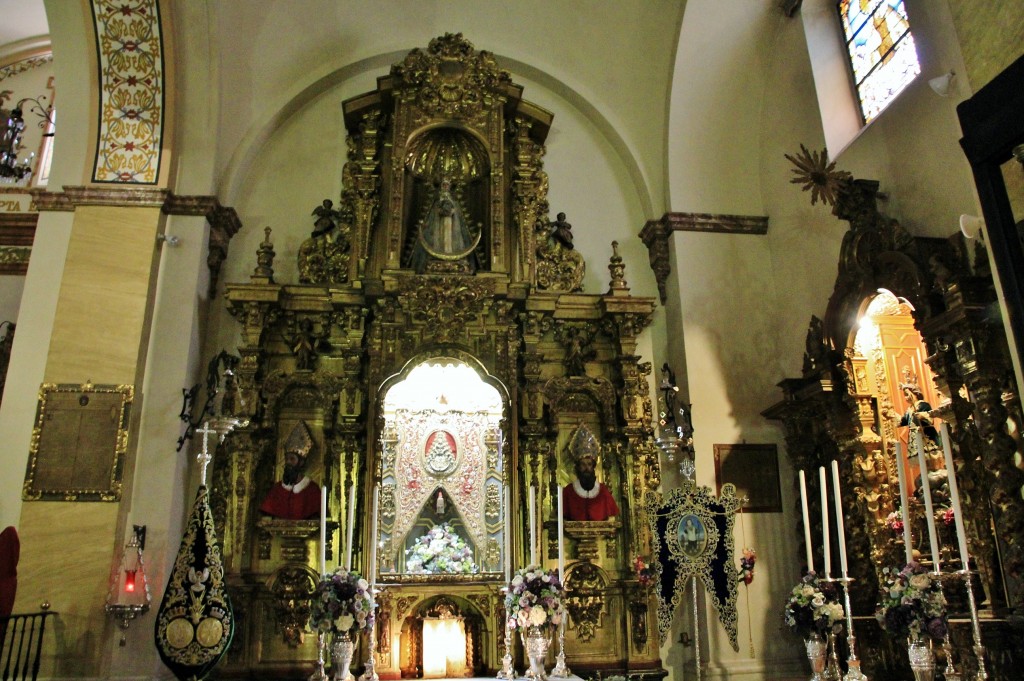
x=819, y=176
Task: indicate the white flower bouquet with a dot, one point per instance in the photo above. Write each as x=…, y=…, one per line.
x=440, y=551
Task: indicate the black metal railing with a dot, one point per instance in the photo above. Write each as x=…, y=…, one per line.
x=21, y=645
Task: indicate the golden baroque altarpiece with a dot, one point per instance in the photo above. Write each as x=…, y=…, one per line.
x=936, y=330
x=441, y=249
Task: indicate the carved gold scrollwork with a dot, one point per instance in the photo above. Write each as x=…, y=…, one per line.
x=292, y=586
x=387, y=502
x=598, y=394
x=638, y=610
x=492, y=504
x=585, y=599
x=444, y=304
x=558, y=268
x=451, y=79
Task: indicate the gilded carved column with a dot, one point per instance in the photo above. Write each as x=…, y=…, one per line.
x=529, y=194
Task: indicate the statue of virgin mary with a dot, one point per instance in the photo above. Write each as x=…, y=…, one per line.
x=444, y=237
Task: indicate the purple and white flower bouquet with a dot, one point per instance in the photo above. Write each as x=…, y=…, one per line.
x=342, y=603
x=911, y=603
x=534, y=598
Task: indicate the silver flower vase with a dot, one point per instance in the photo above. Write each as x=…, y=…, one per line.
x=816, y=648
x=341, y=651
x=537, y=640
x=922, y=661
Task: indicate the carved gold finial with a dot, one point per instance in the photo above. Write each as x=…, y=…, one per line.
x=265, y=258
x=618, y=270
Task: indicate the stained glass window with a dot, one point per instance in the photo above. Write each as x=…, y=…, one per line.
x=882, y=51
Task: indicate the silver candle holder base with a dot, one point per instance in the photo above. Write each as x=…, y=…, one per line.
x=370, y=669
x=561, y=670
x=853, y=671
x=979, y=650
x=507, y=671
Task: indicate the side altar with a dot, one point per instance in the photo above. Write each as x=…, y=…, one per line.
x=438, y=353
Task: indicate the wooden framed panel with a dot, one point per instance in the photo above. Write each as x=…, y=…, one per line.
x=78, y=443
x=754, y=469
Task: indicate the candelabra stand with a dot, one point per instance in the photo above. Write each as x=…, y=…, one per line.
x=853, y=672
x=950, y=673
x=832, y=672
x=979, y=649
x=319, y=674
x=561, y=670
x=370, y=671
x=507, y=670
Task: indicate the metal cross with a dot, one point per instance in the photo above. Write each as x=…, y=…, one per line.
x=205, y=457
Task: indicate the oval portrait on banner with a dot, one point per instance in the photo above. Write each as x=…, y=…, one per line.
x=439, y=453
x=692, y=536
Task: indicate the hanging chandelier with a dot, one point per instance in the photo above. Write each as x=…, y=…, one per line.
x=11, y=170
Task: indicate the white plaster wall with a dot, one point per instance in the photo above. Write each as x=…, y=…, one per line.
x=616, y=56
x=28, y=358
x=159, y=490
x=11, y=287
x=718, y=82
x=727, y=302
x=74, y=51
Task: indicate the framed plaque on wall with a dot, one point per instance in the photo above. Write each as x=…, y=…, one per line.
x=754, y=469
x=78, y=443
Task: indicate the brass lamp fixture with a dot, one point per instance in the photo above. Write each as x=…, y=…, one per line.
x=13, y=121
x=675, y=429
x=129, y=596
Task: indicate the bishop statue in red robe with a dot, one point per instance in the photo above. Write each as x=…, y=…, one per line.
x=585, y=498
x=295, y=497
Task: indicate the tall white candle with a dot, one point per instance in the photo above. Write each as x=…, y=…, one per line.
x=926, y=492
x=533, y=519
x=904, y=503
x=826, y=540
x=954, y=496
x=508, y=535
x=840, y=524
x=807, y=522
x=372, y=571
x=323, y=530
x=351, y=524
x=561, y=538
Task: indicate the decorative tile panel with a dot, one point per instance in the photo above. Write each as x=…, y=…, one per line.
x=129, y=46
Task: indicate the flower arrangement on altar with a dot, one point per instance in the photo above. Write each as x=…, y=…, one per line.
x=746, y=572
x=912, y=603
x=814, y=608
x=440, y=551
x=894, y=521
x=534, y=598
x=341, y=603
x=645, y=574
